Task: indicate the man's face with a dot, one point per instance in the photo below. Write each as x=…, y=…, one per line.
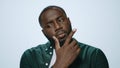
x=55, y=23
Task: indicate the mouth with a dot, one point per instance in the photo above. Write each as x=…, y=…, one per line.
x=61, y=35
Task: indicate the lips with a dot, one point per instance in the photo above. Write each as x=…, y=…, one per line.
x=60, y=34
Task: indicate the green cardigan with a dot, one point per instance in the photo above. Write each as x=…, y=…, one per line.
x=40, y=57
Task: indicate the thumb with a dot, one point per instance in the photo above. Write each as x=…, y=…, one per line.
x=57, y=44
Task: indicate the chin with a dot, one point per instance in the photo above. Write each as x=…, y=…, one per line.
x=62, y=41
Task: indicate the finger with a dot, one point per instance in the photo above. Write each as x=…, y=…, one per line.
x=76, y=49
x=70, y=36
x=73, y=43
x=76, y=46
x=57, y=44
x=77, y=52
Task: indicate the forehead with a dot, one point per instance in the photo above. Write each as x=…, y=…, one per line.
x=51, y=14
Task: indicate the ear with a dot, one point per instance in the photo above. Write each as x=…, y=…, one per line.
x=68, y=20
x=43, y=31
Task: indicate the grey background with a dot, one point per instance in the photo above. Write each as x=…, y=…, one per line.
x=97, y=23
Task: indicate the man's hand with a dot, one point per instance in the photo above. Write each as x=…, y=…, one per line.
x=66, y=54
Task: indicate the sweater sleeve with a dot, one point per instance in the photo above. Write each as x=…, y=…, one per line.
x=100, y=59
x=24, y=62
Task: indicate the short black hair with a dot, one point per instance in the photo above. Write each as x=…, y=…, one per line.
x=50, y=7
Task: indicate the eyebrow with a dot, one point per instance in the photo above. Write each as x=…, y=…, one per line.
x=60, y=16
x=56, y=18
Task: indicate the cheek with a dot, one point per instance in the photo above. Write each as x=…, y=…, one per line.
x=49, y=33
x=67, y=26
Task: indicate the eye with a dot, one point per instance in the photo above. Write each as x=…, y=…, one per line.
x=60, y=20
x=49, y=25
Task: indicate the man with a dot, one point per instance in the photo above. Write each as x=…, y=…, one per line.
x=62, y=50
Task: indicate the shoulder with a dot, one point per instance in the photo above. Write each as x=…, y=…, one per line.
x=38, y=49
x=87, y=47
x=92, y=55
x=88, y=51
x=33, y=55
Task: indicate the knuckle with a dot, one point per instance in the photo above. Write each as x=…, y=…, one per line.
x=75, y=42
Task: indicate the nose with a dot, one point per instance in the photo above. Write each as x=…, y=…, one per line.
x=57, y=26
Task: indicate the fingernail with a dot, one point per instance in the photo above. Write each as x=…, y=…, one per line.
x=74, y=30
x=54, y=37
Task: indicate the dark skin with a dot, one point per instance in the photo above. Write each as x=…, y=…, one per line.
x=57, y=28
